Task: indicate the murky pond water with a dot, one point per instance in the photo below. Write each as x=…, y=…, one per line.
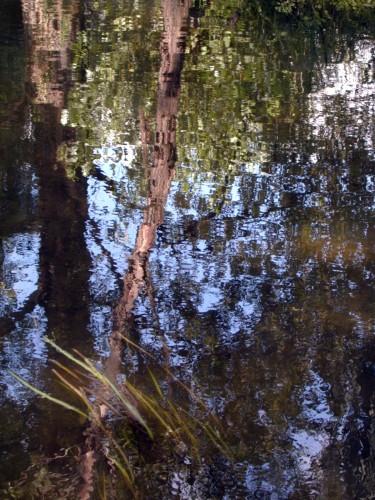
x=200, y=179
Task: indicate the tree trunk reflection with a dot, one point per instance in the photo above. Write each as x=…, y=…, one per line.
x=161, y=172
x=64, y=261
x=159, y=175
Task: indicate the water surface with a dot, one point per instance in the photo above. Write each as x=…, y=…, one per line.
x=202, y=179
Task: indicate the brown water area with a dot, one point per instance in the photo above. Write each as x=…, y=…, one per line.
x=196, y=178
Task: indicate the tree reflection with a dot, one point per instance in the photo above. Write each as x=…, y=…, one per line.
x=159, y=176
x=161, y=172
x=64, y=260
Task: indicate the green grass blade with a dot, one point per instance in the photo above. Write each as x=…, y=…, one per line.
x=138, y=347
x=156, y=384
x=88, y=366
x=153, y=407
x=78, y=391
x=72, y=373
x=47, y=396
x=67, y=355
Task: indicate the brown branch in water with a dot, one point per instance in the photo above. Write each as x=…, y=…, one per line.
x=161, y=173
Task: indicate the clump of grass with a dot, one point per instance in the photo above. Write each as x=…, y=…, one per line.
x=121, y=418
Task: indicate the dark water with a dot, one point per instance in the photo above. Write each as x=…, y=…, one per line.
x=213, y=193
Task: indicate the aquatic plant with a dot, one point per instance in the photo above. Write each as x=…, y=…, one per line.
x=127, y=427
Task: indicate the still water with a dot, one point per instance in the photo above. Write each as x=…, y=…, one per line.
x=198, y=177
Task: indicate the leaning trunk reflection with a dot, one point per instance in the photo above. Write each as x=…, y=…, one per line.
x=160, y=175
x=164, y=158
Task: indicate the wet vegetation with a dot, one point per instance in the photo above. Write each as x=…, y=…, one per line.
x=188, y=217
x=123, y=423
